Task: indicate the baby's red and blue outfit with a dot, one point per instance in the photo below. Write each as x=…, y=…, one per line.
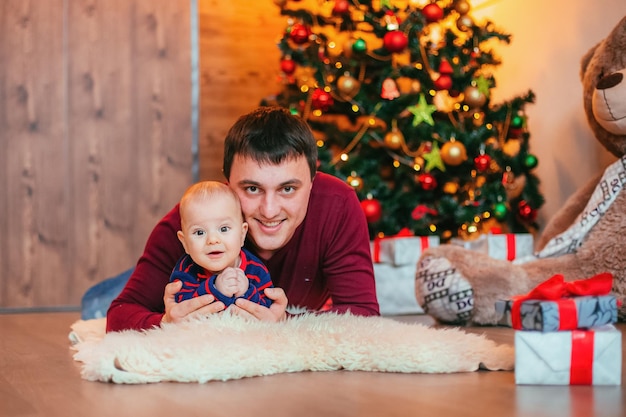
x=197, y=282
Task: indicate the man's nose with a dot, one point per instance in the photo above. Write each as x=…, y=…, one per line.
x=270, y=206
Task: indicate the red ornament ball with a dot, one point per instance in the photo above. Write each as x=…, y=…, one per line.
x=373, y=210
x=526, y=212
x=341, y=7
x=300, y=33
x=288, y=66
x=321, y=100
x=395, y=41
x=482, y=162
x=432, y=12
x=444, y=82
x=427, y=181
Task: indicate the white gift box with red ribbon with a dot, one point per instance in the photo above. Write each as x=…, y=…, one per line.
x=401, y=250
x=395, y=264
x=578, y=357
x=506, y=246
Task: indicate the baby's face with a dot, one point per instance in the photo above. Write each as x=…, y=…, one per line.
x=213, y=232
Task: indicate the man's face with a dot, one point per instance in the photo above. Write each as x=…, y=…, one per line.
x=274, y=199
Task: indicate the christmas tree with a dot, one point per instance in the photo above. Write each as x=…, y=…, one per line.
x=398, y=93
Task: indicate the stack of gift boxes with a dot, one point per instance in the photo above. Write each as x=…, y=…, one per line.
x=564, y=333
x=395, y=263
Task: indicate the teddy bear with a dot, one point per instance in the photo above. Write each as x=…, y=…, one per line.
x=586, y=237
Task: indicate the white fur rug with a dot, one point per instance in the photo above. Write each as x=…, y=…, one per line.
x=224, y=347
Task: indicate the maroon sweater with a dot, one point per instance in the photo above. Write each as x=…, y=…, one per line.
x=328, y=256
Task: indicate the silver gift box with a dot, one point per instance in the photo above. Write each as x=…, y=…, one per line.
x=545, y=358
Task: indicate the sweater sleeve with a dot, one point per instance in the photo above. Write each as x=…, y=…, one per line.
x=347, y=262
x=140, y=304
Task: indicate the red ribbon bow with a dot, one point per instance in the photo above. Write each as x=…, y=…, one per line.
x=556, y=288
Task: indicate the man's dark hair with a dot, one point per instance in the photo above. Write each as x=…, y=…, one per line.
x=270, y=135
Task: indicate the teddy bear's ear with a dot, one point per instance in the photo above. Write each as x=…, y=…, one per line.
x=584, y=63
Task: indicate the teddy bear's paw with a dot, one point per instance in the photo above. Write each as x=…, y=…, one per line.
x=442, y=291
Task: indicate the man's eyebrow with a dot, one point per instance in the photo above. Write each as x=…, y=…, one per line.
x=248, y=182
x=292, y=181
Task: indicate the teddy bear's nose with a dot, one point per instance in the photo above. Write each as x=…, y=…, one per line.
x=610, y=81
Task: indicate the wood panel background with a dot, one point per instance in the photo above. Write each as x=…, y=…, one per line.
x=95, y=139
x=96, y=129
x=239, y=61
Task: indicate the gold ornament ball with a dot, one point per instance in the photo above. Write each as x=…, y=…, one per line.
x=450, y=187
x=418, y=162
x=512, y=147
x=394, y=139
x=453, y=153
x=348, y=85
x=462, y=7
x=464, y=23
x=407, y=85
x=473, y=97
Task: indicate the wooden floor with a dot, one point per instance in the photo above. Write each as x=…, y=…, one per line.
x=38, y=377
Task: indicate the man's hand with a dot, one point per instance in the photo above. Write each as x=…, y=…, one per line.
x=175, y=312
x=275, y=312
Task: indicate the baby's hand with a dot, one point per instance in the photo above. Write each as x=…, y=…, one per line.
x=232, y=282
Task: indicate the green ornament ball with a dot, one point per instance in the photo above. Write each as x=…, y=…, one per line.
x=517, y=121
x=359, y=46
x=500, y=211
x=530, y=161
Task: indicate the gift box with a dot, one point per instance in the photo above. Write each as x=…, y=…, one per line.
x=577, y=357
x=507, y=246
x=556, y=305
x=548, y=316
x=401, y=250
x=395, y=264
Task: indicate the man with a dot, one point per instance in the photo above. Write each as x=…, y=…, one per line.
x=307, y=227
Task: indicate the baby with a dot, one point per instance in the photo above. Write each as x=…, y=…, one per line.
x=213, y=233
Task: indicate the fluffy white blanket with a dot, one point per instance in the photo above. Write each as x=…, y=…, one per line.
x=224, y=347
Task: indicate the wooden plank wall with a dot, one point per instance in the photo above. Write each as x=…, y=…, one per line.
x=95, y=139
x=239, y=61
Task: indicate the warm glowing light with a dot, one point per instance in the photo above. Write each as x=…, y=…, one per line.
x=344, y=157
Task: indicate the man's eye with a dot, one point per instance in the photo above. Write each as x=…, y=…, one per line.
x=253, y=189
x=289, y=189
